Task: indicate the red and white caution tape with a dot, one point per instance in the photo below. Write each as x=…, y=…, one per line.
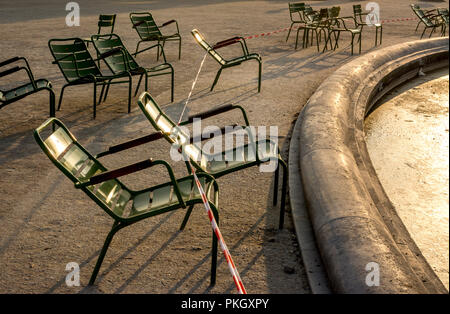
x=231, y=266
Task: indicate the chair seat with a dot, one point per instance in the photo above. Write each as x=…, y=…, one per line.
x=165, y=196
x=242, y=155
x=24, y=90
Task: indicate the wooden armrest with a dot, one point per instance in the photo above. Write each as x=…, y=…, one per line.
x=113, y=174
x=168, y=22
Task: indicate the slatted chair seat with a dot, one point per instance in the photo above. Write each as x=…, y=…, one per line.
x=78, y=67
x=122, y=62
x=254, y=153
x=224, y=63
x=19, y=92
x=148, y=30
x=124, y=205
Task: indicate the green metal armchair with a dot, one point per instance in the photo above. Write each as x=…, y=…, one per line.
x=217, y=165
x=211, y=50
x=430, y=19
x=296, y=14
x=148, y=31
x=121, y=62
x=341, y=24
x=79, y=68
x=360, y=17
x=124, y=205
x=18, y=92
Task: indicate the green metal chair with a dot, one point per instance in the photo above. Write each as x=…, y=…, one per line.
x=319, y=24
x=430, y=19
x=339, y=25
x=360, y=16
x=252, y=154
x=443, y=13
x=122, y=61
x=146, y=27
x=211, y=50
x=18, y=92
x=296, y=10
x=104, y=21
x=79, y=68
x=124, y=205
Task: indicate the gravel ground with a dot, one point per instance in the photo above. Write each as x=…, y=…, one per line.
x=46, y=223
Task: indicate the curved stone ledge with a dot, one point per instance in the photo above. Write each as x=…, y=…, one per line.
x=353, y=220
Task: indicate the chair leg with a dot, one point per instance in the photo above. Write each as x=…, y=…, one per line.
x=61, y=96
x=216, y=79
x=289, y=32
x=259, y=75
x=138, y=85
x=296, y=38
x=52, y=102
x=423, y=32
x=130, y=88
x=186, y=217
x=95, y=100
x=275, y=186
x=106, y=92
x=214, y=247
x=116, y=227
x=283, y=193
x=101, y=93
x=179, y=49
x=360, y=42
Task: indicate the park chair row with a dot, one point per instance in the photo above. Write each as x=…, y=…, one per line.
x=433, y=19
x=145, y=26
x=127, y=206
x=327, y=22
x=79, y=67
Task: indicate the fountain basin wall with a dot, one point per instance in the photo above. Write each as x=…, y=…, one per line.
x=356, y=227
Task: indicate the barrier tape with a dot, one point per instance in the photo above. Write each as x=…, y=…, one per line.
x=294, y=28
x=231, y=266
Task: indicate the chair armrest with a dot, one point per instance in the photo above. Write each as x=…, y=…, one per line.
x=16, y=69
x=113, y=174
x=216, y=111
x=168, y=22
x=11, y=60
x=130, y=144
x=226, y=42
x=10, y=71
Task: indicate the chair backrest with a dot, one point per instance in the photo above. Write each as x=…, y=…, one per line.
x=421, y=15
x=73, y=58
x=145, y=25
x=334, y=12
x=171, y=132
x=106, y=20
x=443, y=12
x=357, y=10
x=201, y=41
x=323, y=14
x=296, y=8
x=62, y=148
x=118, y=62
